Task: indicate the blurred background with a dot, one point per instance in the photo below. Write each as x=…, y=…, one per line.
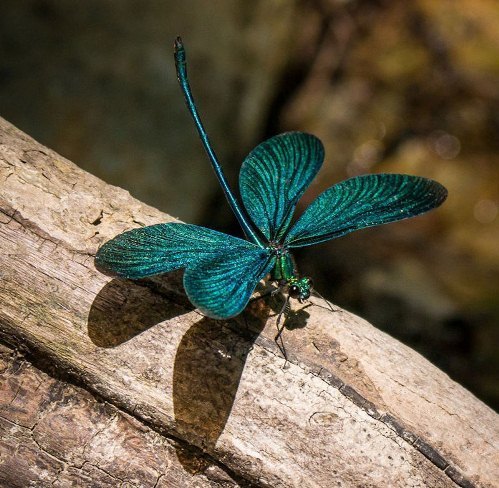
x=389, y=86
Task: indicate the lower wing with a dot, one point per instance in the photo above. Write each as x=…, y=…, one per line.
x=221, y=286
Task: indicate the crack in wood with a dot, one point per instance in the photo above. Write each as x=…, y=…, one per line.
x=187, y=449
x=396, y=426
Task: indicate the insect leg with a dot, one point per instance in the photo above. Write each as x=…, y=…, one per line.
x=270, y=293
x=278, y=336
x=317, y=294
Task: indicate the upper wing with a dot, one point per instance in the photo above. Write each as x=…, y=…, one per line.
x=221, y=286
x=364, y=201
x=156, y=249
x=274, y=176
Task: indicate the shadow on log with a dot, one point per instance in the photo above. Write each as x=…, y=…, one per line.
x=352, y=406
x=123, y=309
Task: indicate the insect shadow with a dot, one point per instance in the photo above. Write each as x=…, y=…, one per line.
x=208, y=367
x=209, y=360
x=124, y=308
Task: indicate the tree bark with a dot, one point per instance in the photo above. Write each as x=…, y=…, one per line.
x=350, y=407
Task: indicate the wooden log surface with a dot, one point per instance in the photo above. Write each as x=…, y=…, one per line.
x=55, y=434
x=351, y=407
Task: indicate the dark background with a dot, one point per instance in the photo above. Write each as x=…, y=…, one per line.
x=389, y=86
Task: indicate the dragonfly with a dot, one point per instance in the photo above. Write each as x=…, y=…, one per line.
x=221, y=272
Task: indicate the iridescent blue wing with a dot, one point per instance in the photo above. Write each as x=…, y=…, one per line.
x=274, y=176
x=221, y=286
x=364, y=201
x=156, y=249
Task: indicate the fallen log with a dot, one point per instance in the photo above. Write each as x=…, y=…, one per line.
x=351, y=406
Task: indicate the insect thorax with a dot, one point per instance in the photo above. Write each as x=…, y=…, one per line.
x=285, y=274
x=284, y=269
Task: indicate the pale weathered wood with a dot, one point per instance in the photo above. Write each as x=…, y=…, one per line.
x=353, y=407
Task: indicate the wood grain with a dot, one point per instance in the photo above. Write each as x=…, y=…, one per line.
x=55, y=434
x=351, y=407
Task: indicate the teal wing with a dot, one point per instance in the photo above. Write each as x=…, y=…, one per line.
x=156, y=249
x=221, y=286
x=364, y=201
x=274, y=176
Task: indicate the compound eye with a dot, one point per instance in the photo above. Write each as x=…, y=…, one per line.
x=294, y=291
x=305, y=295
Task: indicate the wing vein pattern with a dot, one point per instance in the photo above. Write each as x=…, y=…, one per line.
x=274, y=176
x=160, y=248
x=364, y=201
